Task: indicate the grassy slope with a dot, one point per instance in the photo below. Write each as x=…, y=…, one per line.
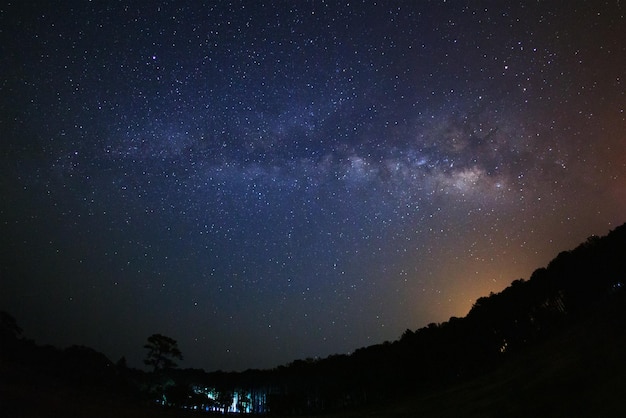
x=579, y=373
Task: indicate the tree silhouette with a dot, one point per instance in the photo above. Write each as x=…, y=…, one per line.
x=161, y=351
x=225, y=400
x=8, y=326
x=10, y=335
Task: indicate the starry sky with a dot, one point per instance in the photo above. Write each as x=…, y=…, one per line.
x=269, y=181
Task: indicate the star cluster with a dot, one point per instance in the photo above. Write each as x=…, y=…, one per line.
x=266, y=181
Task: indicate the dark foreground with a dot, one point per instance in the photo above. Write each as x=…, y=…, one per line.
x=579, y=373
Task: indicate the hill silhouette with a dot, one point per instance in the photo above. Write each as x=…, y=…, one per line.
x=551, y=345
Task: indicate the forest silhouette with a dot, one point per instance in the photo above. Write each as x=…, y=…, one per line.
x=551, y=345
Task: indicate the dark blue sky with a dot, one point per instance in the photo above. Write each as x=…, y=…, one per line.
x=267, y=181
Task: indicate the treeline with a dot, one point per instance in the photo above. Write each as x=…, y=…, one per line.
x=576, y=286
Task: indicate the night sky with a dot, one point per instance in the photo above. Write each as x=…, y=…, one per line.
x=270, y=181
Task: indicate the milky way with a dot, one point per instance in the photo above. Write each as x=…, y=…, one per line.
x=272, y=181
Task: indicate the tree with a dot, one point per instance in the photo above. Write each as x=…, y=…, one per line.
x=8, y=327
x=161, y=352
x=225, y=400
x=10, y=335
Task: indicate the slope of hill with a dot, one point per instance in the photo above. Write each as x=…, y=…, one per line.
x=578, y=372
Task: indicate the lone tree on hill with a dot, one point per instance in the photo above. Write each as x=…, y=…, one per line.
x=161, y=351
